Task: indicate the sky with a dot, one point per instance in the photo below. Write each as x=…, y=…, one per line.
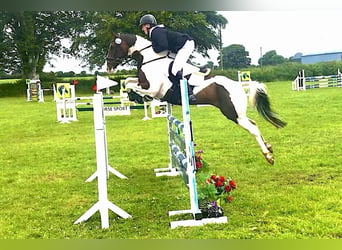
x=286, y=32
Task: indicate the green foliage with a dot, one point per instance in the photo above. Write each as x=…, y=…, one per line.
x=235, y=56
x=91, y=45
x=287, y=71
x=271, y=58
x=10, y=88
x=30, y=37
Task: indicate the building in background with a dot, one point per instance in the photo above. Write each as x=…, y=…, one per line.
x=316, y=58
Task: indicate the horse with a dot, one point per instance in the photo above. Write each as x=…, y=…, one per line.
x=154, y=80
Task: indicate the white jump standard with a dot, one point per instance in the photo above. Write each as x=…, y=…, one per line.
x=103, y=169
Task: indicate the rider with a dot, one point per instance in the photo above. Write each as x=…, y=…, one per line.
x=162, y=39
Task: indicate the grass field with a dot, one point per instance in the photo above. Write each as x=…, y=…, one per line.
x=4, y=81
x=44, y=166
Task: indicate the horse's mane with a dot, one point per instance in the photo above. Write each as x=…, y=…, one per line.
x=131, y=39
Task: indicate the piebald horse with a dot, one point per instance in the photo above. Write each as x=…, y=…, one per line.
x=227, y=95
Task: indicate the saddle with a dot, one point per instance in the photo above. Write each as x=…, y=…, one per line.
x=202, y=72
x=173, y=95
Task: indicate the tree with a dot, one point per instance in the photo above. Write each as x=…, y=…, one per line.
x=271, y=58
x=91, y=45
x=31, y=37
x=235, y=56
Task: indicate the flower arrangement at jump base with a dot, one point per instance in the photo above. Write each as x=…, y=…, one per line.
x=213, y=190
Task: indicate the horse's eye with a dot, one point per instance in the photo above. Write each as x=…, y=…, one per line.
x=118, y=40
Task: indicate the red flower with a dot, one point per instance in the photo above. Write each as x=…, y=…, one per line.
x=232, y=184
x=74, y=82
x=95, y=87
x=219, y=183
x=213, y=177
x=227, y=188
x=222, y=179
x=230, y=198
x=199, y=164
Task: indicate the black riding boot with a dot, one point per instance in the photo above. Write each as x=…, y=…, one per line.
x=172, y=97
x=192, y=97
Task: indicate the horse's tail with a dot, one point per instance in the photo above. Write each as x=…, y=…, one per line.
x=258, y=98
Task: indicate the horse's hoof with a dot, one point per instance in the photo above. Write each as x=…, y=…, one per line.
x=268, y=146
x=269, y=157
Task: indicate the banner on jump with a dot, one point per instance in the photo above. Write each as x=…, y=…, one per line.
x=245, y=76
x=117, y=110
x=63, y=88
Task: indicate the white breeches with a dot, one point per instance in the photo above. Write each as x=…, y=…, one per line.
x=182, y=56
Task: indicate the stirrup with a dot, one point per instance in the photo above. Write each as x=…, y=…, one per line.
x=147, y=98
x=192, y=99
x=201, y=73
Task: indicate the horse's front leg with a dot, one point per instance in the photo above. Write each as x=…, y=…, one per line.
x=131, y=81
x=143, y=82
x=135, y=86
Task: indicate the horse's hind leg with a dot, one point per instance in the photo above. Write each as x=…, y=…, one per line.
x=267, y=144
x=251, y=127
x=218, y=96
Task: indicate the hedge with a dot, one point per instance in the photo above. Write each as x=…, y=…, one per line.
x=284, y=72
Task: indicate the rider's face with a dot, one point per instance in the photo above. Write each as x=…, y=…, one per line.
x=145, y=28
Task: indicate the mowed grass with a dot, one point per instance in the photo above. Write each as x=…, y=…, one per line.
x=4, y=81
x=44, y=166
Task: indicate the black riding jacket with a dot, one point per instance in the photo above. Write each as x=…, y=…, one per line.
x=163, y=39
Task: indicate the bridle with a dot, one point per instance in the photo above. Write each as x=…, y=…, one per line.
x=117, y=60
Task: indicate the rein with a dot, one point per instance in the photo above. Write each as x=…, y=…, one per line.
x=145, y=48
x=159, y=58
x=156, y=59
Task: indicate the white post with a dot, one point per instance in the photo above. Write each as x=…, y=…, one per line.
x=304, y=82
x=239, y=76
x=72, y=102
x=103, y=203
x=40, y=94
x=339, y=78
x=28, y=90
x=146, y=113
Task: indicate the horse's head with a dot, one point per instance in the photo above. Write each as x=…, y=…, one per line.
x=119, y=49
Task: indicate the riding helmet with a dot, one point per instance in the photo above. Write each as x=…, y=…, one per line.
x=148, y=18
